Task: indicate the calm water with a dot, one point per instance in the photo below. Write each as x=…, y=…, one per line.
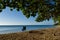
x=18, y=28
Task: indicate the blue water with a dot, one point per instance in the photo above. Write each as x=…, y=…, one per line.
x=18, y=28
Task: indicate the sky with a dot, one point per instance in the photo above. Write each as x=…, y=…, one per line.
x=14, y=17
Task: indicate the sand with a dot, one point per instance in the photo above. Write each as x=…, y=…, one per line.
x=43, y=34
x=57, y=26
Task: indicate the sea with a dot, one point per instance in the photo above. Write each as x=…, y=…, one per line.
x=4, y=29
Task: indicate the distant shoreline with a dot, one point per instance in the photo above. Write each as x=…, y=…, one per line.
x=13, y=25
x=25, y=25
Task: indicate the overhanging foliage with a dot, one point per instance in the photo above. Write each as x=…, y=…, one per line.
x=44, y=8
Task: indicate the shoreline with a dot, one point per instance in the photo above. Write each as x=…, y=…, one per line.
x=57, y=26
x=26, y=30
x=43, y=34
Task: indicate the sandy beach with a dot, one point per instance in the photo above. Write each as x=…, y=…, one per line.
x=43, y=34
x=57, y=26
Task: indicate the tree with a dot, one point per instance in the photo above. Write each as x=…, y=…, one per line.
x=43, y=9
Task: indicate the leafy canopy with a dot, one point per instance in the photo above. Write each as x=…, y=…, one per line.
x=43, y=9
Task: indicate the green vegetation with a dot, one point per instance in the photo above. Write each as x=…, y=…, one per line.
x=40, y=8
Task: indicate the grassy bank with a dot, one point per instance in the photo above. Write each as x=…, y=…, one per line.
x=44, y=34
